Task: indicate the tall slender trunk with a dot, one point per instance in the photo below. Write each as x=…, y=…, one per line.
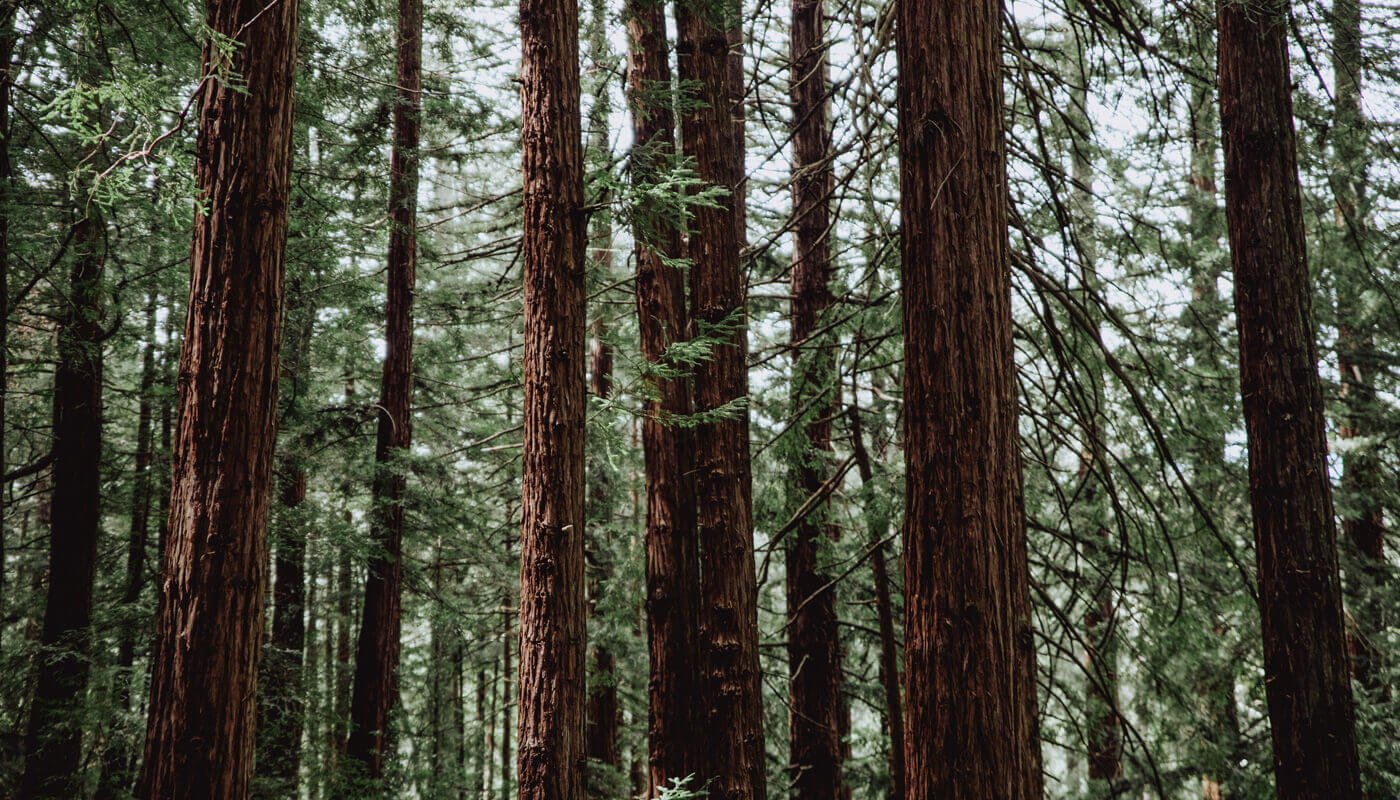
x=672, y=555
x=603, y=713
x=814, y=658
x=1103, y=723
x=732, y=700
x=376, y=689
x=877, y=525
x=448, y=769
x=199, y=737
x=116, y=759
x=1307, y=681
x=1363, y=522
x=53, y=741
x=552, y=597
x=969, y=647
x=1208, y=379
x=281, y=699
x=8, y=9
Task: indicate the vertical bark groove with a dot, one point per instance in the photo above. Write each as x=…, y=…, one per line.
x=199, y=738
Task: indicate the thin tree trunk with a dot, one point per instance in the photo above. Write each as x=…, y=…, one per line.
x=444, y=691
x=814, y=657
x=1209, y=379
x=8, y=9
x=878, y=528
x=969, y=646
x=1307, y=681
x=1103, y=723
x=281, y=700
x=552, y=750
x=376, y=689
x=199, y=738
x=730, y=680
x=116, y=759
x=53, y=741
x=1362, y=486
x=603, y=713
x=672, y=555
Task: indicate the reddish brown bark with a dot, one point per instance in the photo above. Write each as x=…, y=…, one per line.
x=672, y=555
x=815, y=716
x=1305, y=665
x=551, y=757
x=969, y=645
x=199, y=737
x=732, y=701
x=53, y=741
x=376, y=690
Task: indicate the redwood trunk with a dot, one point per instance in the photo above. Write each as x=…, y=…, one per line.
x=1305, y=664
x=376, y=690
x=814, y=661
x=552, y=603
x=728, y=615
x=969, y=646
x=199, y=738
x=672, y=555
x=53, y=742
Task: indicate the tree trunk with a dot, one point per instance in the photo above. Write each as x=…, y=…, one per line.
x=199, y=738
x=1307, y=681
x=603, y=714
x=672, y=555
x=1362, y=485
x=8, y=9
x=281, y=703
x=813, y=646
x=552, y=602
x=1102, y=722
x=732, y=700
x=448, y=767
x=376, y=689
x=878, y=527
x=116, y=759
x=969, y=646
x=53, y=741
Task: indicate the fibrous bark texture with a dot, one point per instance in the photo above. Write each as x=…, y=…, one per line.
x=199, y=737
x=377, y=655
x=672, y=557
x=730, y=687
x=814, y=665
x=1305, y=664
x=969, y=657
x=552, y=753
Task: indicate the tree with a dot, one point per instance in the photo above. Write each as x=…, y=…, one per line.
x=1306, y=676
x=814, y=654
x=672, y=555
x=552, y=604
x=969, y=658
x=281, y=703
x=53, y=741
x=199, y=736
x=730, y=688
x=376, y=689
